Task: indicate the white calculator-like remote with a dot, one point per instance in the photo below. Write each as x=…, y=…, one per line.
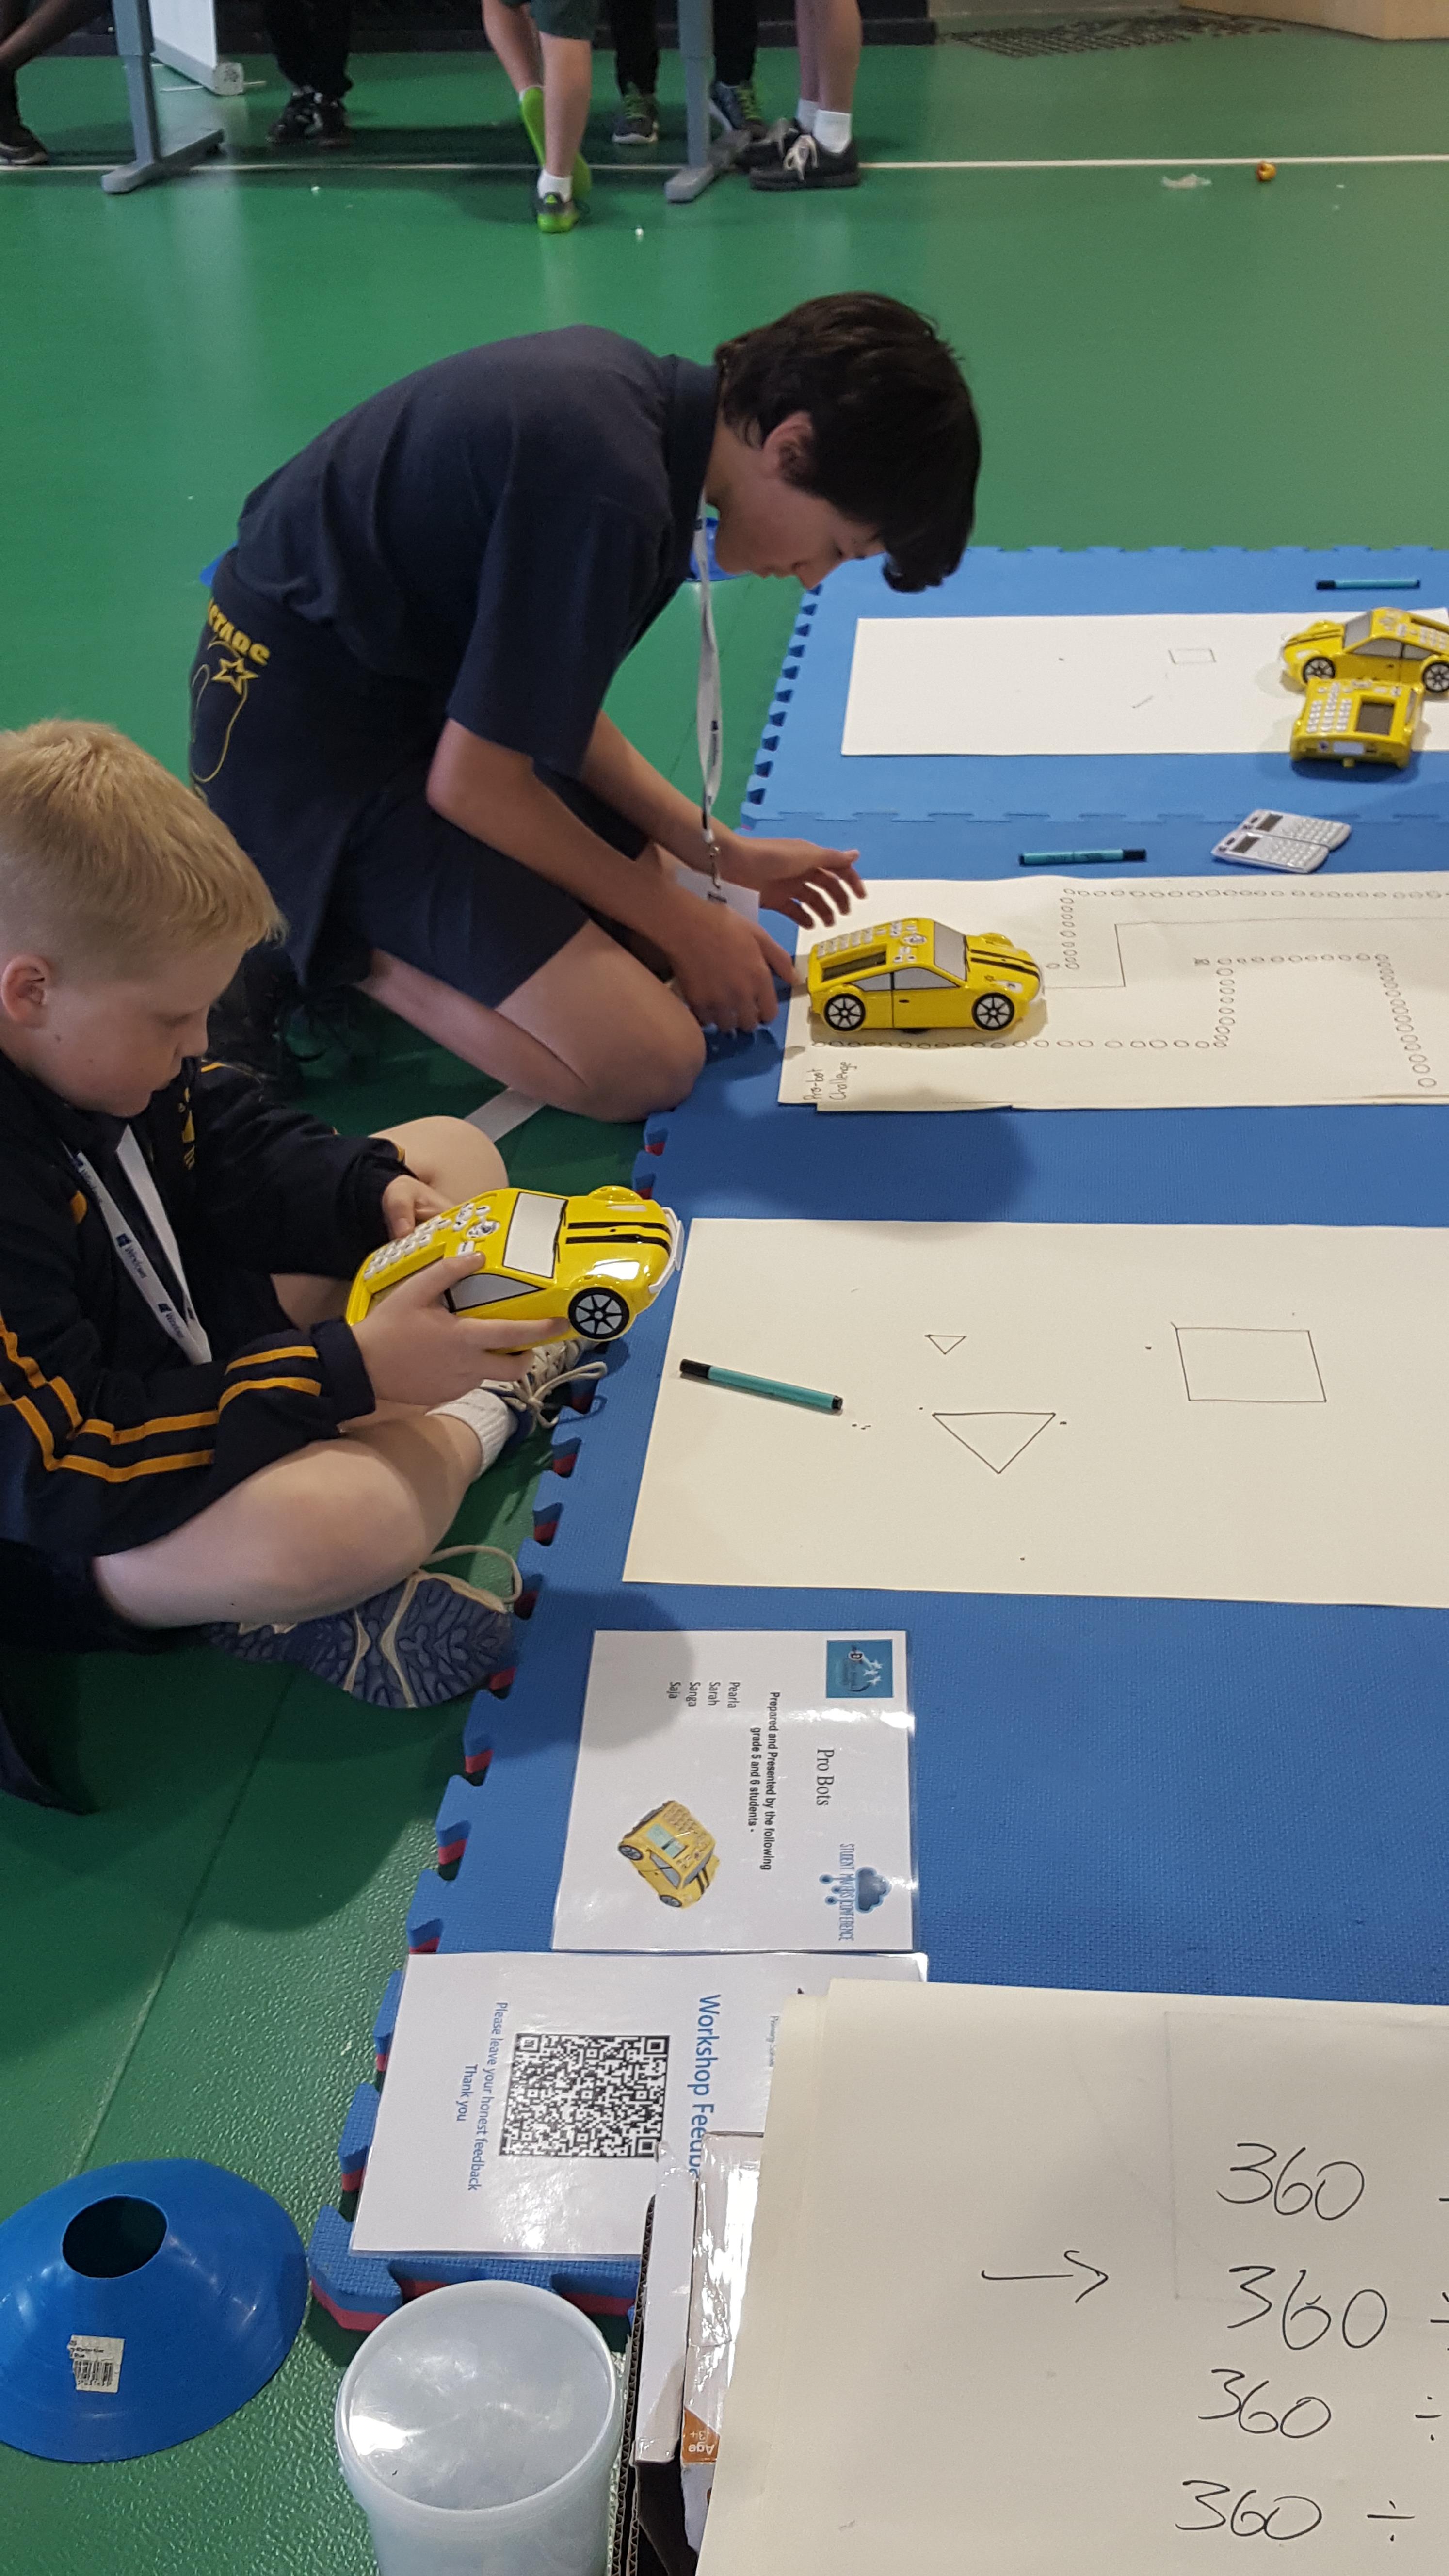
x=1297, y=842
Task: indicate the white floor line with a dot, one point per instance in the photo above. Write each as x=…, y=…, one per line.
x=501, y=1113
x=224, y=169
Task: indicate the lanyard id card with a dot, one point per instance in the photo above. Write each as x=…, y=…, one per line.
x=181, y=1321
x=708, y=709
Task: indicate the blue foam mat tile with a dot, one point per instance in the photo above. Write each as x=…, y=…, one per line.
x=359, y=2290
x=1178, y=1796
x=800, y=768
x=955, y=845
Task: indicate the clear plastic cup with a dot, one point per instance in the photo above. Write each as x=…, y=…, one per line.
x=477, y=2429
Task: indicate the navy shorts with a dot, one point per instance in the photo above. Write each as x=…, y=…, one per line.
x=320, y=768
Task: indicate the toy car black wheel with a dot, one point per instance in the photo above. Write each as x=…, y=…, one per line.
x=844, y=1011
x=630, y=1851
x=599, y=1314
x=1318, y=667
x=993, y=1011
x=670, y=1900
x=1435, y=676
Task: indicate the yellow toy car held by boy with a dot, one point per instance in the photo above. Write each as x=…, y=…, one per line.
x=597, y=1260
x=1381, y=644
x=673, y=1853
x=919, y=974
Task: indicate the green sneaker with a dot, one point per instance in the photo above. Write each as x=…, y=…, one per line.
x=735, y=108
x=557, y=214
x=637, y=120
x=530, y=108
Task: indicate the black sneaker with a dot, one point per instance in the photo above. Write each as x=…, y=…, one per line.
x=770, y=148
x=638, y=118
x=333, y=130
x=298, y=120
x=807, y=165
x=19, y=148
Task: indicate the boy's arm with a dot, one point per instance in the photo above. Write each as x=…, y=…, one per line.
x=94, y=1460
x=279, y=1189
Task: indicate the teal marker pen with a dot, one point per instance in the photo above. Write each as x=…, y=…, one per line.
x=806, y=1395
x=1076, y=858
x=1395, y=583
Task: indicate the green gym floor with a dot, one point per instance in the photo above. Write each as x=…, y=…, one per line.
x=193, y=1964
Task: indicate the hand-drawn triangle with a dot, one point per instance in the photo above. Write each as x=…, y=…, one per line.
x=995, y=1438
x=946, y=1343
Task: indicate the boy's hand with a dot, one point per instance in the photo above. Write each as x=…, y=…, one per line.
x=406, y=1202
x=810, y=885
x=416, y=1351
x=725, y=966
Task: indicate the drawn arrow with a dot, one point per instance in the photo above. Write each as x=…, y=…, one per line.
x=1069, y=2255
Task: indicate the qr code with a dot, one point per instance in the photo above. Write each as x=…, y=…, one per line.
x=585, y=2094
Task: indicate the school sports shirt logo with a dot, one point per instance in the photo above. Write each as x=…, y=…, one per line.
x=230, y=662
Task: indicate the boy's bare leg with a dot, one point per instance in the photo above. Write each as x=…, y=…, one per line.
x=308, y=1535
x=828, y=33
x=592, y=1031
x=568, y=83
x=514, y=39
x=446, y=1153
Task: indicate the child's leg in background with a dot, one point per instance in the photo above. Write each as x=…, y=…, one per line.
x=547, y=52
x=311, y=40
x=736, y=41
x=828, y=35
x=636, y=45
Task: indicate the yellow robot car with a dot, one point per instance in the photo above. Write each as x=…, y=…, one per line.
x=597, y=1260
x=918, y=974
x=1354, y=720
x=1381, y=644
x=673, y=1853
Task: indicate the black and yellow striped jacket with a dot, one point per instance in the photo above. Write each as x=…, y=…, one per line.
x=108, y=1435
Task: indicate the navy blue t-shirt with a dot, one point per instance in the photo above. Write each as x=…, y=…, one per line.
x=498, y=529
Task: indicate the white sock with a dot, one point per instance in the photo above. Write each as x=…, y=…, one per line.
x=806, y=112
x=487, y=1418
x=551, y=185
x=831, y=128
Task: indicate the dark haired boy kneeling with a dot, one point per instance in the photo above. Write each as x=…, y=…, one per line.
x=189, y=1434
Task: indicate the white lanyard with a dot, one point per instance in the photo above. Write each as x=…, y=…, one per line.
x=708, y=708
x=182, y=1322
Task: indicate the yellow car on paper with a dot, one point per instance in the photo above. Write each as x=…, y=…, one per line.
x=919, y=974
x=673, y=1853
x=1381, y=644
x=598, y=1260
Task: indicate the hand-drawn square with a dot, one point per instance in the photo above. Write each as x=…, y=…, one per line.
x=1241, y=1364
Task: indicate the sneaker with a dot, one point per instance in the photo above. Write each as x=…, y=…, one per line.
x=535, y=1400
x=807, y=165
x=430, y=1638
x=530, y=109
x=768, y=150
x=298, y=121
x=333, y=130
x=735, y=108
x=557, y=214
x=638, y=118
x=19, y=148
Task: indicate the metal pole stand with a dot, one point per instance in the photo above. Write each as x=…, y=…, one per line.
x=133, y=44
x=706, y=159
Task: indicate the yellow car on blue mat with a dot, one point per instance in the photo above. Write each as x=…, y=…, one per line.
x=1353, y=720
x=597, y=1260
x=673, y=1853
x=919, y=974
x=1381, y=644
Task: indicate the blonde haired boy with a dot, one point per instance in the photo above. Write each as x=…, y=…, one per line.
x=174, y=1373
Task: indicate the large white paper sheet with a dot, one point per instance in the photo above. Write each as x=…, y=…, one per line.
x=1107, y=2283
x=1024, y=685
x=532, y=2100
x=1167, y=993
x=1250, y=1413
x=791, y=1749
